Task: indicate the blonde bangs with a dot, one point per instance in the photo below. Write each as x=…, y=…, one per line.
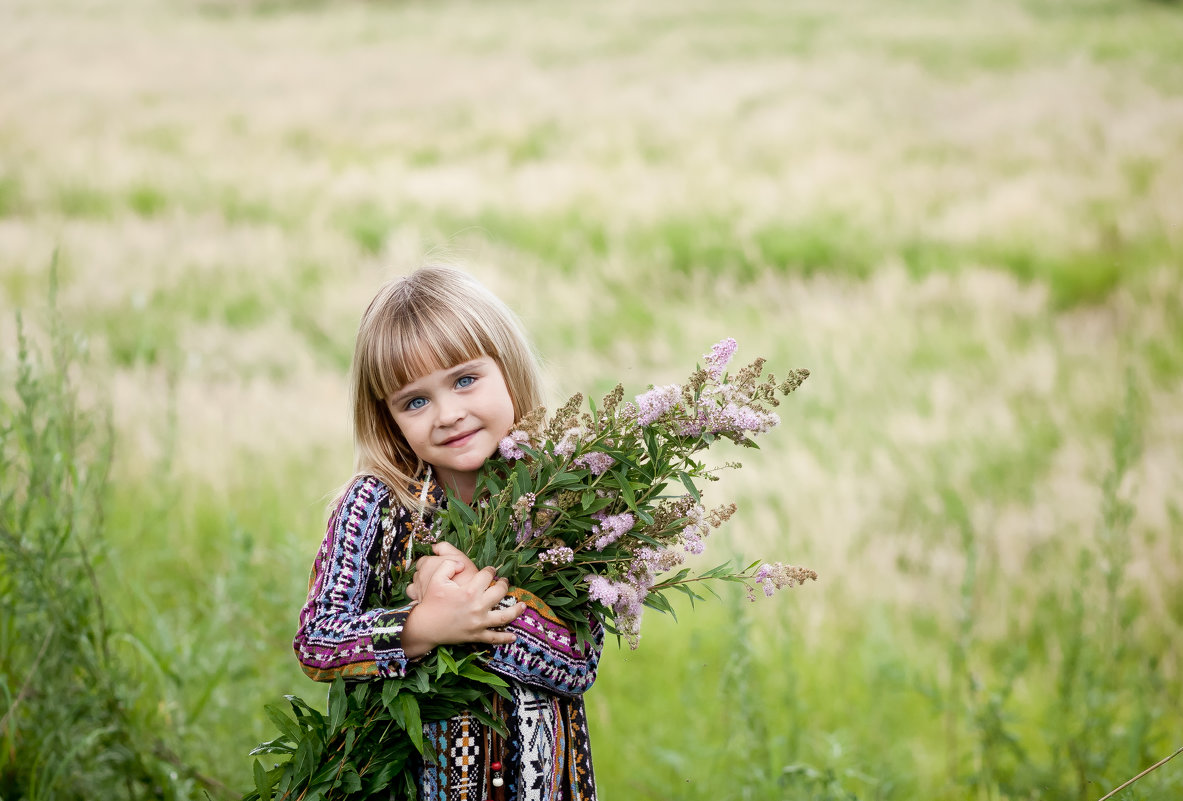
x=421, y=341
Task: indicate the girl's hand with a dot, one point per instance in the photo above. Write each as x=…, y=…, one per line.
x=426, y=566
x=453, y=608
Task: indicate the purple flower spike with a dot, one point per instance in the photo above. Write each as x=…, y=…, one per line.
x=719, y=356
x=508, y=446
x=601, y=589
x=611, y=528
x=598, y=463
x=656, y=402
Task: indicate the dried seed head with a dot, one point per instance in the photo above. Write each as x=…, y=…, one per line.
x=532, y=424
x=564, y=418
x=796, y=378
x=567, y=498
x=611, y=401
x=721, y=514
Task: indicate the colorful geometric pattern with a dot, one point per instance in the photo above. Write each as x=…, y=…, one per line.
x=345, y=632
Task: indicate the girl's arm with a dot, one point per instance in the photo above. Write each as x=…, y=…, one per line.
x=544, y=653
x=535, y=648
x=338, y=635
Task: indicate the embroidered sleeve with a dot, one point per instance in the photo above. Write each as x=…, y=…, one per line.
x=545, y=654
x=338, y=634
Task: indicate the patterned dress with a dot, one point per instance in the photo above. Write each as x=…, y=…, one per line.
x=345, y=632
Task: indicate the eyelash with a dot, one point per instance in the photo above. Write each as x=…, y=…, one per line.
x=470, y=378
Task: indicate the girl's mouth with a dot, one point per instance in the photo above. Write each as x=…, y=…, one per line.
x=460, y=439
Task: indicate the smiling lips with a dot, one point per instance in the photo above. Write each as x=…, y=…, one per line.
x=459, y=439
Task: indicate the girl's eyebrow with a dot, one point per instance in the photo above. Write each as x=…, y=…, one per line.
x=467, y=367
x=411, y=389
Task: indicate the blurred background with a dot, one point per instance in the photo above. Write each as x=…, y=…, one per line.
x=965, y=218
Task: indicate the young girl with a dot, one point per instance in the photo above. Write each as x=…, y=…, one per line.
x=441, y=372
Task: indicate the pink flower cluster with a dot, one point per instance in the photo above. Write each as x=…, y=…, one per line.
x=509, y=445
x=598, y=463
x=720, y=355
x=627, y=602
x=611, y=528
x=626, y=598
x=557, y=556
x=775, y=576
x=566, y=446
x=696, y=528
x=656, y=402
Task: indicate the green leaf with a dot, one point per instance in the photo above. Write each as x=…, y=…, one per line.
x=285, y=724
x=350, y=782
x=651, y=446
x=412, y=721
x=338, y=704
x=521, y=477
x=420, y=682
x=378, y=780
x=496, y=724
x=263, y=782
x=466, y=511
x=475, y=673
x=690, y=593
x=390, y=690
x=361, y=692
x=656, y=600
x=686, y=482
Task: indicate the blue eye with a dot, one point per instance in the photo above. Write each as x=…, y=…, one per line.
x=465, y=381
x=416, y=403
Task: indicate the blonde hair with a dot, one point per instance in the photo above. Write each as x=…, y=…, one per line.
x=431, y=319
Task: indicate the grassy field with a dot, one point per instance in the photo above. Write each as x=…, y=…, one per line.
x=966, y=219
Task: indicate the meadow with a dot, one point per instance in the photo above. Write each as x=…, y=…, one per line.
x=965, y=218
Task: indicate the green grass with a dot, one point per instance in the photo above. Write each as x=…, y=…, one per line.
x=10, y=195
x=84, y=200
x=147, y=200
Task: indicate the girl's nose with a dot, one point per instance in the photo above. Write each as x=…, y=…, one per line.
x=448, y=411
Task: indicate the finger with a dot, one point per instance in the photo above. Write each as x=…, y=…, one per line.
x=495, y=637
x=425, y=567
x=496, y=592
x=442, y=548
x=503, y=617
x=413, y=591
x=483, y=578
x=446, y=549
x=446, y=570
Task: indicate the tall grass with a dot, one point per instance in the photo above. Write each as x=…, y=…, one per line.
x=73, y=723
x=1048, y=685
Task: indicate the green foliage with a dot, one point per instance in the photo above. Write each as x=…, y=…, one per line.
x=11, y=199
x=147, y=200
x=368, y=225
x=67, y=725
x=370, y=738
x=84, y=200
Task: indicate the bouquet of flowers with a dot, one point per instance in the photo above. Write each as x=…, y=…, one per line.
x=593, y=512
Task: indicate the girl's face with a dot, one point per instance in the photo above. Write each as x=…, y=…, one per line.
x=454, y=418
